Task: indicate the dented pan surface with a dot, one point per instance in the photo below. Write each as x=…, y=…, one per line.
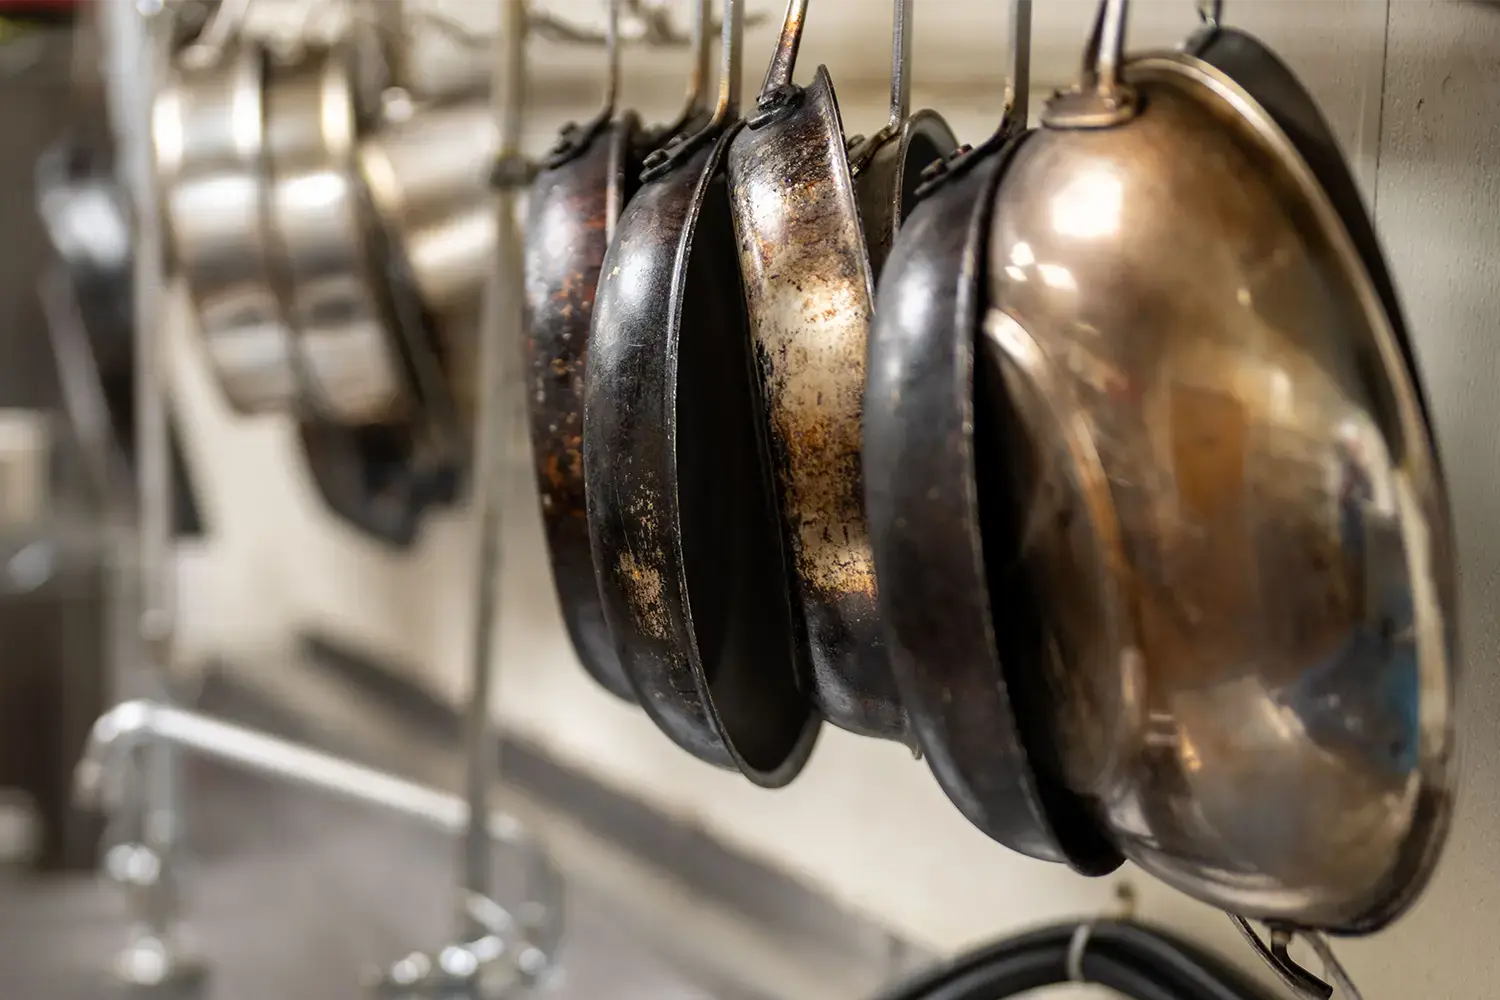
x=809, y=290
x=681, y=508
x=572, y=213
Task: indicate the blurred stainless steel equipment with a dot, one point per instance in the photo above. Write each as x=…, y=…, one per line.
x=428, y=180
x=208, y=129
x=1235, y=534
x=348, y=357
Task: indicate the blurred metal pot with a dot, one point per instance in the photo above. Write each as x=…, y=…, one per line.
x=428, y=181
x=332, y=280
x=208, y=133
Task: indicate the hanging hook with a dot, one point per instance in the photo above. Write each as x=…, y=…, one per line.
x=862, y=150
x=1276, y=953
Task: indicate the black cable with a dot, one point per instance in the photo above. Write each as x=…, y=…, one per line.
x=1131, y=959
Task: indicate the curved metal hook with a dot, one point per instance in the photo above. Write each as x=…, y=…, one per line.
x=1276, y=954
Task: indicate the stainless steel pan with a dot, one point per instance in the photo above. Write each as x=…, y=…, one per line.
x=208, y=137
x=1233, y=529
x=348, y=355
x=427, y=178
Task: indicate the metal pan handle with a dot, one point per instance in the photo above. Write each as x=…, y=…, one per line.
x=695, y=103
x=728, y=109
x=1102, y=98
x=1018, y=69
x=778, y=90
x=574, y=138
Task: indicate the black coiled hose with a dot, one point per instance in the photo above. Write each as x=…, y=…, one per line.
x=1129, y=958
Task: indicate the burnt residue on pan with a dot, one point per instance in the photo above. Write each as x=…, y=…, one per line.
x=574, y=204
x=681, y=502
x=808, y=284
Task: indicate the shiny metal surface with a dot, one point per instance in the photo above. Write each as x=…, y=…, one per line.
x=427, y=178
x=346, y=352
x=810, y=294
x=208, y=134
x=428, y=182
x=1236, y=538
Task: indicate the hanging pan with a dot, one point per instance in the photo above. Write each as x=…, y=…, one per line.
x=1231, y=530
x=348, y=356
x=926, y=493
x=681, y=511
x=208, y=140
x=809, y=286
x=888, y=166
x=576, y=200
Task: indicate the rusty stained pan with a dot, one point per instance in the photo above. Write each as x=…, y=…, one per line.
x=576, y=200
x=686, y=538
x=574, y=205
x=809, y=291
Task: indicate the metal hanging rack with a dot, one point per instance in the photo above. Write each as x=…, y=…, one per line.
x=131, y=765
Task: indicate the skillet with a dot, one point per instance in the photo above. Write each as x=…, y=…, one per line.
x=576, y=199
x=1237, y=495
x=682, y=517
x=810, y=290
x=924, y=446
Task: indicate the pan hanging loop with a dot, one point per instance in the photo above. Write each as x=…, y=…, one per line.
x=1275, y=953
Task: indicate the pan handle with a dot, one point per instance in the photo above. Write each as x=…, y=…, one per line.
x=1102, y=98
x=778, y=92
x=694, y=105
x=728, y=109
x=862, y=150
x=574, y=138
x=1018, y=70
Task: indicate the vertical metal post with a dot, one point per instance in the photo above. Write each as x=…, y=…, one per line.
x=473, y=966
x=496, y=397
x=155, y=954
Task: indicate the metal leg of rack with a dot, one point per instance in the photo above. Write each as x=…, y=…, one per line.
x=157, y=953
x=476, y=964
x=131, y=765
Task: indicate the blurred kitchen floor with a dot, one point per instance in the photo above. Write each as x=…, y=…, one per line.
x=293, y=895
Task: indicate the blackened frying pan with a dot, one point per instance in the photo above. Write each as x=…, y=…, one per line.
x=926, y=452
x=576, y=199
x=686, y=539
